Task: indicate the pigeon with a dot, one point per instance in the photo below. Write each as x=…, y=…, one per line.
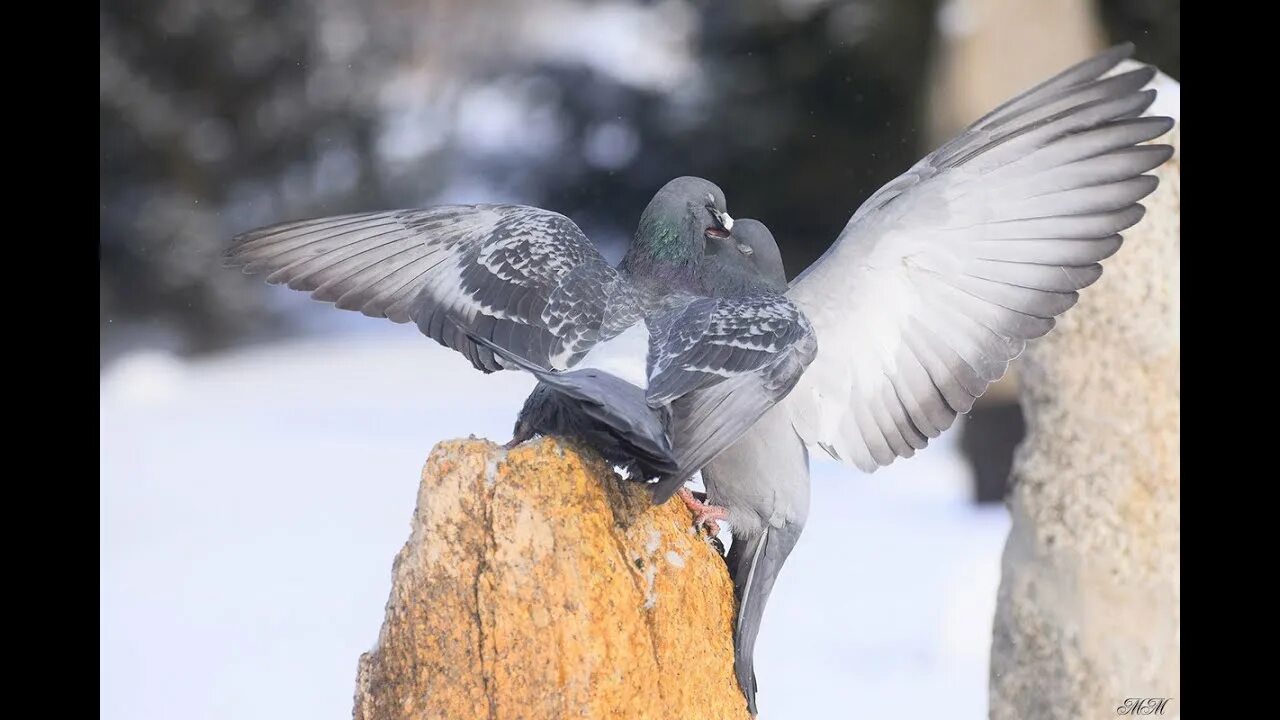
x=729, y=270
x=934, y=286
x=529, y=282
x=748, y=263
x=754, y=247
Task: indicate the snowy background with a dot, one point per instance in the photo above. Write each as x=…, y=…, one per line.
x=252, y=503
x=260, y=453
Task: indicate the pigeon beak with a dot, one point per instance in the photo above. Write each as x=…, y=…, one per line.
x=722, y=218
x=720, y=231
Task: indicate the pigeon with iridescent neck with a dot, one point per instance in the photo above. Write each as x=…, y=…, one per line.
x=530, y=284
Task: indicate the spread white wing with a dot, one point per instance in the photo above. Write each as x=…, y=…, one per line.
x=941, y=277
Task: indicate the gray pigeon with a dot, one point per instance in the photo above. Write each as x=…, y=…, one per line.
x=530, y=283
x=581, y=412
x=936, y=283
x=747, y=263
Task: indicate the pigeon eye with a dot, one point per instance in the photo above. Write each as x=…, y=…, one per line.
x=745, y=249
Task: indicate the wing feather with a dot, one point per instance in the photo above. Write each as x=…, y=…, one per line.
x=524, y=278
x=720, y=364
x=938, y=280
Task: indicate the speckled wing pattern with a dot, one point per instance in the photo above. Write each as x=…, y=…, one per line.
x=710, y=340
x=721, y=363
x=941, y=277
x=525, y=278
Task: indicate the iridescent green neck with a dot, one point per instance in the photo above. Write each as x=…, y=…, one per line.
x=662, y=239
x=661, y=251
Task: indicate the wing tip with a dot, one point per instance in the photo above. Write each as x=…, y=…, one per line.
x=1166, y=122
x=1147, y=184
x=1121, y=49
x=1145, y=98
x=1146, y=72
x=1132, y=216
x=1100, y=63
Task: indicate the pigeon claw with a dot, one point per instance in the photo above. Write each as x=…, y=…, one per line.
x=704, y=515
x=717, y=545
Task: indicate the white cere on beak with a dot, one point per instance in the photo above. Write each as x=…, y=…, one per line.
x=745, y=249
x=722, y=218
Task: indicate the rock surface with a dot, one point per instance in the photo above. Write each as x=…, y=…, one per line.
x=1088, y=608
x=536, y=584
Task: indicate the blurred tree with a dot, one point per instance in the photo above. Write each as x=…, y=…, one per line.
x=212, y=114
x=219, y=117
x=798, y=110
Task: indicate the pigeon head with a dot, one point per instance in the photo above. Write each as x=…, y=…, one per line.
x=754, y=241
x=674, y=228
x=746, y=262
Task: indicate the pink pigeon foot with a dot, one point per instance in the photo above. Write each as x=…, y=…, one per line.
x=704, y=515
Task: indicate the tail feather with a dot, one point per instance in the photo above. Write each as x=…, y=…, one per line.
x=754, y=562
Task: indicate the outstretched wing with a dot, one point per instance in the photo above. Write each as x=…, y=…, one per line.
x=721, y=363
x=941, y=277
x=525, y=278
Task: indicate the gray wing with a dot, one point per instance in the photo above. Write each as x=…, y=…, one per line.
x=942, y=276
x=610, y=401
x=525, y=278
x=720, y=364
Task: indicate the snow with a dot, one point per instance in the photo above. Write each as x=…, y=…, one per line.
x=251, y=505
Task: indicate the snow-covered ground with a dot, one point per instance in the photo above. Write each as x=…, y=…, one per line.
x=251, y=506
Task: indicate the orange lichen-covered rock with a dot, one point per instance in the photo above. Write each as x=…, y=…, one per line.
x=537, y=584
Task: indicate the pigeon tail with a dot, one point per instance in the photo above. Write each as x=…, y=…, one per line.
x=754, y=559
